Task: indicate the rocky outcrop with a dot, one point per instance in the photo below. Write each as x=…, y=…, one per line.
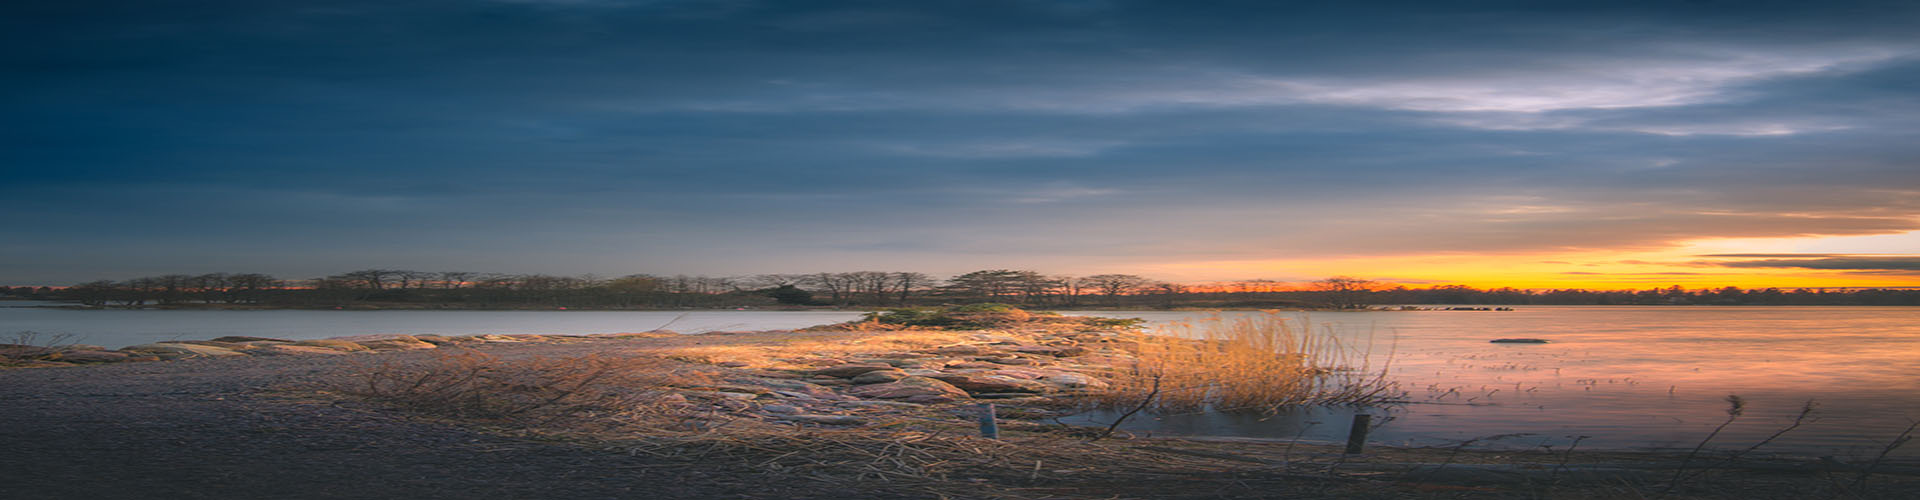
x=390, y=342
x=90, y=356
x=911, y=389
x=243, y=338
x=293, y=350
x=175, y=350
x=852, y=370
x=880, y=376
x=981, y=382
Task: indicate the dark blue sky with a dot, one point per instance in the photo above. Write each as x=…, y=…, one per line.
x=736, y=136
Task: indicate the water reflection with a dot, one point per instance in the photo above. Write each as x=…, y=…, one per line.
x=1631, y=377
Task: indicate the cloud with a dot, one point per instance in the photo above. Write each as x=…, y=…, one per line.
x=651, y=133
x=1834, y=263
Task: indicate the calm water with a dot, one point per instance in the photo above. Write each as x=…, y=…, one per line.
x=116, y=328
x=1629, y=377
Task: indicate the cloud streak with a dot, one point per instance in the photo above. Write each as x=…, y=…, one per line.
x=633, y=136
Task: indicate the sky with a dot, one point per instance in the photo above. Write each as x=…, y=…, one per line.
x=1531, y=144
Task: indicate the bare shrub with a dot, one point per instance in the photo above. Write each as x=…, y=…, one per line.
x=31, y=345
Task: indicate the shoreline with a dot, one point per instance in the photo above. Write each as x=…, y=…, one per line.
x=739, y=394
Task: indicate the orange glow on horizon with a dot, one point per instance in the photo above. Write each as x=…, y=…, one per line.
x=1693, y=265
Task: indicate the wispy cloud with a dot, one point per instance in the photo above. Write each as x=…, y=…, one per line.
x=1833, y=263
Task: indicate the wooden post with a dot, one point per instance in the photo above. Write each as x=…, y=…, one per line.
x=989, y=428
x=1357, y=436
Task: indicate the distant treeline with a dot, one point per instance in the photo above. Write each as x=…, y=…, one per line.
x=402, y=288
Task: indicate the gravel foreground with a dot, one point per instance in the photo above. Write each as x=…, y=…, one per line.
x=203, y=428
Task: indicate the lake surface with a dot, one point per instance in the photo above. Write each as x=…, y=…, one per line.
x=1627, y=377
x=115, y=328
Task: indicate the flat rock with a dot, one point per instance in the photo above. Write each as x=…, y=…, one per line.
x=975, y=365
x=1060, y=351
x=211, y=343
x=989, y=383
x=443, y=339
x=335, y=344
x=1006, y=395
x=910, y=387
x=1070, y=380
x=877, y=404
x=91, y=356
x=723, y=395
x=294, y=350
x=179, y=350
x=825, y=419
x=963, y=350
x=801, y=386
x=781, y=409
x=243, y=338
x=880, y=376
x=396, y=343
x=852, y=370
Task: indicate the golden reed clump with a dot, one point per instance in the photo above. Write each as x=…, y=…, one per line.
x=1257, y=362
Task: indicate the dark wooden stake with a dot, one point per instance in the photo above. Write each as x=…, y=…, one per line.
x=1357, y=436
x=989, y=428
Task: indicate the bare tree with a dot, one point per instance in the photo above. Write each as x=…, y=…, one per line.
x=1345, y=292
x=453, y=280
x=1114, y=285
x=839, y=286
x=1070, y=289
x=908, y=282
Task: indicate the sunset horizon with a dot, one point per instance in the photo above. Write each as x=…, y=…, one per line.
x=1611, y=145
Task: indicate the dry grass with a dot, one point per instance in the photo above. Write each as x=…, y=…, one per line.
x=801, y=351
x=1259, y=362
x=473, y=385
x=639, y=405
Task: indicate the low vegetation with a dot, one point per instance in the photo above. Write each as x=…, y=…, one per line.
x=470, y=384
x=985, y=316
x=1253, y=363
x=690, y=401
